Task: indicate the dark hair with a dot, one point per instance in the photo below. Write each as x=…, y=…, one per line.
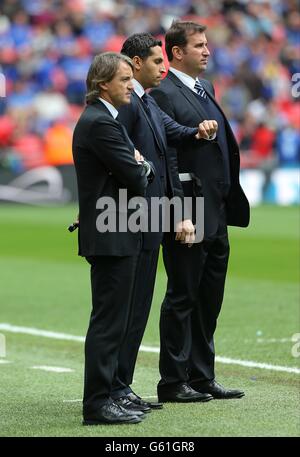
x=178, y=33
x=139, y=44
x=102, y=70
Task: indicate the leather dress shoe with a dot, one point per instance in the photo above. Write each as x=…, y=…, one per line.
x=147, y=405
x=181, y=393
x=110, y=413
x=129, y=406
x=218, y=391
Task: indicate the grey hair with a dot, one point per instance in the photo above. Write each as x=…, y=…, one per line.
x=102, y=70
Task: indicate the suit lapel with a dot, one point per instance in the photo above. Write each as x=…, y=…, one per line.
x=196, y=104
x=155, y=129
x=228, y=127
x=188, y=94
x=104, y=109
x=157, y=120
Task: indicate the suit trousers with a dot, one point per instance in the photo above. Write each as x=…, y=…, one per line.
x=196, y=280
x=139, y=313
x=112, y=280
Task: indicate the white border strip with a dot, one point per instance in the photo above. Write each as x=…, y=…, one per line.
x=67, y=337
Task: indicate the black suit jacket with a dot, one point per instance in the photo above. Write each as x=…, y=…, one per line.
x=152, y=140
x=204, y=158
x=104, y=162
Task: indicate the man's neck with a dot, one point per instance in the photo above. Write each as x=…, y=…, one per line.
x=183, y=70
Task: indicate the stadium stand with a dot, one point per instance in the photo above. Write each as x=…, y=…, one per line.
x=46, y=48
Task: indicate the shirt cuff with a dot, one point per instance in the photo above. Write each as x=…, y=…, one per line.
x=146, y=166
x=212, y=137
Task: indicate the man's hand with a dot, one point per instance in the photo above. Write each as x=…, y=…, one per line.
x=138, y=156
x=75, y=224
x=185, y=232
x=207, y=130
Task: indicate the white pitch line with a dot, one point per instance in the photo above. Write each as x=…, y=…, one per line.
x=251, y=364
x=149, y=349
x=54, y=369
x=275, y=340
x=79, y=400
x=4, y=361
x=68, y=337
x=38, y=332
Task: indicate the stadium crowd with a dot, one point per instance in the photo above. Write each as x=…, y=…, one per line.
x=46, y=48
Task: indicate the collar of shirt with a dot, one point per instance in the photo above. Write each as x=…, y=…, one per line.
x=138, y=88
x=113, y=111
x=185, y=79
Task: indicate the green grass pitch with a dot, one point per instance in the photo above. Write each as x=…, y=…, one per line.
x=45, y=285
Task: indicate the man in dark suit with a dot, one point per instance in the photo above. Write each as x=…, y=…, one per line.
x=151, y=129
x=196, y=276
x=105, y=165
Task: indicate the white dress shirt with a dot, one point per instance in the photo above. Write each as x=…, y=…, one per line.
x=138, y=88
x=113, y=111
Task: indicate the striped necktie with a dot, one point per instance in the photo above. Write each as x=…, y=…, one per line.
x=200, y=89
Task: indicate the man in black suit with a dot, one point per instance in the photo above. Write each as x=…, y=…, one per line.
x=196, y=276
x=151, y=130
x=105, y=165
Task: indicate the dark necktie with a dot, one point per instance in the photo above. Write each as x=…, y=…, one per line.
x=146, y=103
x=200, y=89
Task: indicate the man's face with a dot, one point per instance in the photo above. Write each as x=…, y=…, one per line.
x=152, y=68
x=118, y=90
x=195, y=54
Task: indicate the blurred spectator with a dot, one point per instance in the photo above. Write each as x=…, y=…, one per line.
x=58, y=140
x=288, y=146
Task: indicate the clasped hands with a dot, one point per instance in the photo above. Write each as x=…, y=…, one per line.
x=185, y=232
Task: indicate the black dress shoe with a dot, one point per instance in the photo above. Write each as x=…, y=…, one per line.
x=147, y=405
x=181, y=393
x=110, y=413
x=129, y=406
x=218, y=391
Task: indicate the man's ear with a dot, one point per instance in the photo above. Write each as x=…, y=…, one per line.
x=103, y=87
x=177, y=52
x=137, y=62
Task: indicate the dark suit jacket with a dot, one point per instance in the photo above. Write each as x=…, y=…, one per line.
x=104, y=162
x=204, y=158
x=152, y=142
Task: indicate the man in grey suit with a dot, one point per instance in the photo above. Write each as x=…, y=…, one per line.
x=196, y=276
